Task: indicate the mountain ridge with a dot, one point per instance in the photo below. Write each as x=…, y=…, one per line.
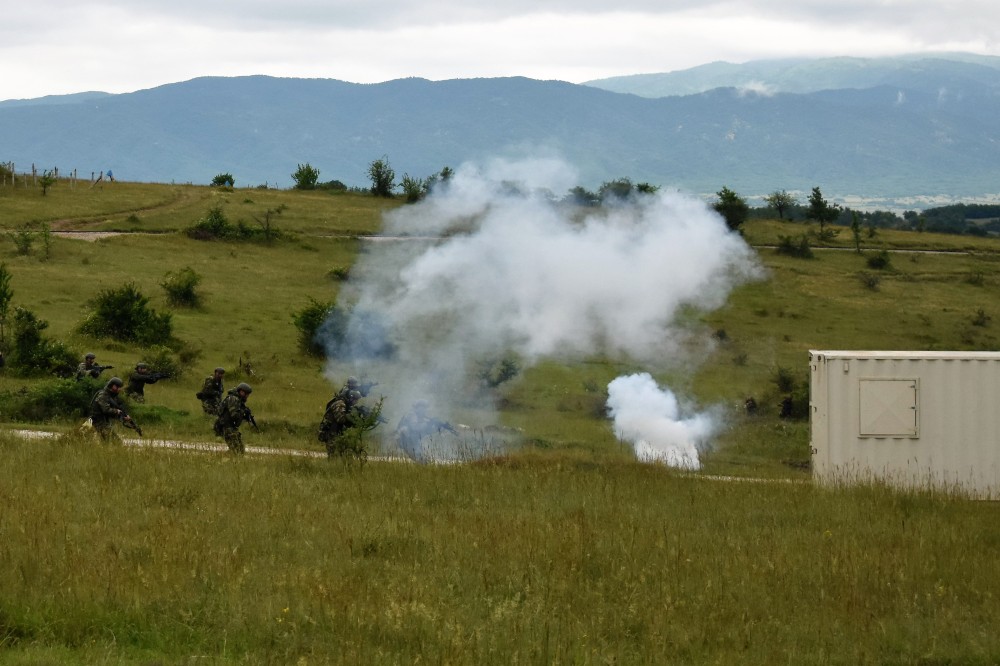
x=882, y=141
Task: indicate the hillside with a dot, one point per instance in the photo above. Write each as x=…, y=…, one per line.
x=900, y=138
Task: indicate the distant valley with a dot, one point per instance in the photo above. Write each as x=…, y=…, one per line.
x=895, y=132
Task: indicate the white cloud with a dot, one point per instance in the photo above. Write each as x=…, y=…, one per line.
x=52, y=47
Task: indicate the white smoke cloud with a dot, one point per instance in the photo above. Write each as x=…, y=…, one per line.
x=493, y=264
x=652, y=420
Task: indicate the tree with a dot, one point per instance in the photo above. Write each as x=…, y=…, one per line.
x=615, y=190
x=732, y=207
x=414, y=188
x=822, y=212
x=46, y=180
x=305, y=177
x=224, y=180
x=781, y=201
x=856, y=231
x=382, y=177
x=6, y=294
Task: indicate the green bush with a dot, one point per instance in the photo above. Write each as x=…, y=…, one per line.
x=308, y=320
x=224, y=180
x=32, y=353
x=180, y=287
x=213, y=226
x=124, y=314
x=795, y=248
x=879, y=260
x=48, y=400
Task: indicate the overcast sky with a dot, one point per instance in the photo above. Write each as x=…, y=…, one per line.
x=57, y=46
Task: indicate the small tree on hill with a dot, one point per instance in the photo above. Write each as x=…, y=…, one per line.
x=732, y=207
x=305, y=177
x=781, y=202
x=224, y=180
x=382, y=177
x=822, y=212
x=46, y=180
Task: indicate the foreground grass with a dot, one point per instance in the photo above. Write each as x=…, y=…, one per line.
x=113, y=555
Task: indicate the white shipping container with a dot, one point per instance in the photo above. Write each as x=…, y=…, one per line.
x=918, y=419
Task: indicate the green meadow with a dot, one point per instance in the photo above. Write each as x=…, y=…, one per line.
x=559, y=549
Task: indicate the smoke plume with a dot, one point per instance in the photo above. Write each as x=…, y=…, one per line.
x=654, y=422
x=493, y=263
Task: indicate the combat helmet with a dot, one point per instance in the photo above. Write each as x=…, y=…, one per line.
x=353, y=382
x=243, y=386
x=354, y=396
x=90, y=356
x=114, y=381
x=141, y=366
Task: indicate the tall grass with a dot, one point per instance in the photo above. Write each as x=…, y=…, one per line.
x=123, y=555
x=564, y=550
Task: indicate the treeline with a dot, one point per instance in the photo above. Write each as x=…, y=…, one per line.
x=970, y=219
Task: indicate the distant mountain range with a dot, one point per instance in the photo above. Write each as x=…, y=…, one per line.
x=882, y=129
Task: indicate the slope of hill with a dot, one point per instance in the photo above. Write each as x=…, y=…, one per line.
x=885, y=141
x=947, y=71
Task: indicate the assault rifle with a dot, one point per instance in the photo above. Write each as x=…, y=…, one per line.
x=364, y=388
x=129, y=422
x=94, y=371
x=248, y=415
x=157, y=376
x=444, y=425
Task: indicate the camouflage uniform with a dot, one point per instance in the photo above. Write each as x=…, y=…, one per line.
x=106, y=408
x=232, y=413
x=137, y=382
x=211, y=393
x=337, y=418
x=89, y=367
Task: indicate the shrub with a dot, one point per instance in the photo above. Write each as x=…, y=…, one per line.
x=308, y=320
x=795, y=248
x=495, y=372
x=32, y=353
x=213, y=225
x=23, y=240
x=223, y=180
x=124, y=314
x=48, y=400
x=180, y=287
x=340, y=273
x=870, y=280
x=879, y=260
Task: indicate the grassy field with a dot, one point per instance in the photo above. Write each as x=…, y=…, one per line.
x=562, y=550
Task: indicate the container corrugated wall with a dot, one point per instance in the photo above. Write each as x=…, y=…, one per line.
x=909, y=418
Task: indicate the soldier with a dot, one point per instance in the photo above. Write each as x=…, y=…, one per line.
x=106, y=407
x=354, y=384
x=211, y=392
x=89, y=367
x=233, y=411
x=338, y=417
x=416, y=425
x=137, y=381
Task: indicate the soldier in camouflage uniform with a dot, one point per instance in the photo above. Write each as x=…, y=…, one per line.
x=106, y=408
x=137, y=382
x=415, y=426
x=338, y=417
x=354, y=384
x=232, y=412
x=211, y=392
x=89, y=367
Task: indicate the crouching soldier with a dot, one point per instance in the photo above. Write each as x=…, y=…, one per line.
x=106, y=408
x=338, y=417
x=211, y=392
x=233, y=411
